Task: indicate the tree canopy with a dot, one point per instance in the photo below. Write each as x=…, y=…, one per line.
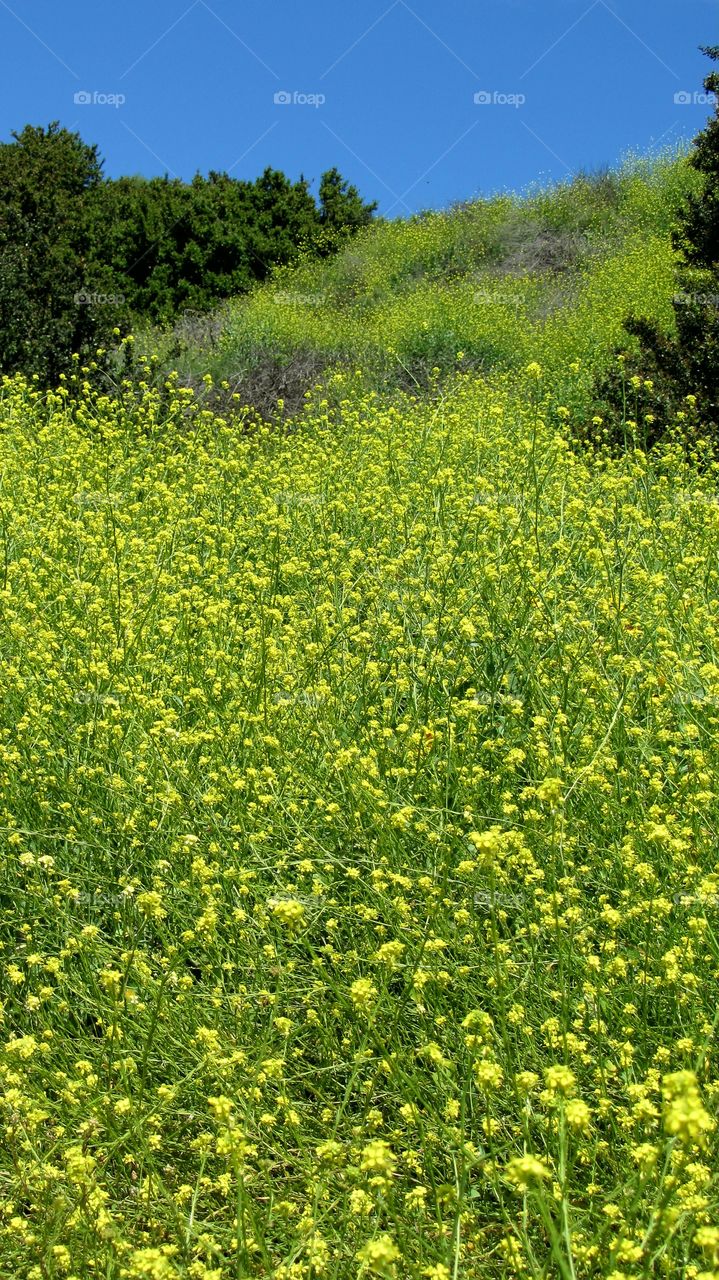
x=81, y=254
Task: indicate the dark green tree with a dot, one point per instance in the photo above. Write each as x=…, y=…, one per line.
x=342, y=211
x=173, y=246
x=698, y=237
x=685, y=363
x=52, y=285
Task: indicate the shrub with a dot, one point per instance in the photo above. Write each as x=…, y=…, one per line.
x=672, y=366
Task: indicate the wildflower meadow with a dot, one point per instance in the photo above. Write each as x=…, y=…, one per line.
x=358, y=802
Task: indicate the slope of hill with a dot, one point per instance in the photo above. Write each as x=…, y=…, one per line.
x=487, y=286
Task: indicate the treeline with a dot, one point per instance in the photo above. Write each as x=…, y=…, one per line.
x=81, y=255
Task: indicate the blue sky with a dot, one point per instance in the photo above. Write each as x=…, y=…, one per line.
x=385, y=89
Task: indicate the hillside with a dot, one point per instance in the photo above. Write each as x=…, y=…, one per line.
x=487, y=286
x=358, y=785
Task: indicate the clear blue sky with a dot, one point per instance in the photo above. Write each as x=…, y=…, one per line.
x=398, y=79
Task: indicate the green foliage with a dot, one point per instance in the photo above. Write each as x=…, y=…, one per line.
x=48, y=264
x=359, y=876
x=671, y=365
x=342, y=211
x=177, y=246
x=699, y=235
x=141, y=250
x=652, y=390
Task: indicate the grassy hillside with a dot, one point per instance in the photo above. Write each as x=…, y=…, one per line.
x=490, y=285
x=359, y=806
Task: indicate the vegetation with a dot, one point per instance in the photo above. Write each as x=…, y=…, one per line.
x=359, y=801
x=81, y=255
x=485, y=287
x=176, y=246
x=700, y=233
x=358, y=774
x=46, y=258
x=667, y=364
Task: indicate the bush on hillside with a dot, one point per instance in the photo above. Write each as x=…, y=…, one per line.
x=663, y=374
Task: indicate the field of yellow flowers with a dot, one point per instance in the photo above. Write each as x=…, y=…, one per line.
x=359, y=840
